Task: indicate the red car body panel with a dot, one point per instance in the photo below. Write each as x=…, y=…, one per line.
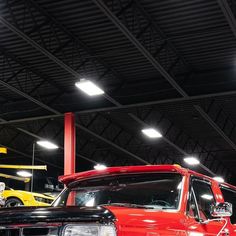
x=146, y=222
x=140, y=222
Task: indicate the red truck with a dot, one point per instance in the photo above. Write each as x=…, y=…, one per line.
x=130, y=201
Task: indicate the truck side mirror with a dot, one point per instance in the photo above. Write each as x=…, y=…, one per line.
x=222, y=209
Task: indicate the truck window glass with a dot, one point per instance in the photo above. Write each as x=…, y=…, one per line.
x=157, y=190
x=204, y=197
x=230, y=196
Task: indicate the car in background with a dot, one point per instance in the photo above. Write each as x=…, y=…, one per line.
x=15, y=198
x=52, y=194
x=2, y=199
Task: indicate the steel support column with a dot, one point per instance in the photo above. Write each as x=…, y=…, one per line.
x=69, y=143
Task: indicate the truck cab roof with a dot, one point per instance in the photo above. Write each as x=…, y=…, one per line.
x=67, y=179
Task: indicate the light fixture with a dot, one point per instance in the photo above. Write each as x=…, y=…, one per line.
x=192, y=161
x=179, y=185
x=47, y=144
x=191, y=233
x=100, y=167
x=207, y=196
x=219, y=179
x=151, y=133
x=24, y=173
x=89, y=87
x=90, y=202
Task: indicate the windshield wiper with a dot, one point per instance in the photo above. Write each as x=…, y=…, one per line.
x=131, y=205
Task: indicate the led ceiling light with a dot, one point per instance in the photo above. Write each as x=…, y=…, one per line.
x=207, y=196
x=151, y=133
x=89, y=87
x=179, y=185
x=191, y=161
x=24, y=173
x=47, y=144
x=219, y=179
x=100, y=167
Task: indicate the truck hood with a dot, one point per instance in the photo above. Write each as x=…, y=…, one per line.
x=124, y=218
x=128, y=217
x=26, y=215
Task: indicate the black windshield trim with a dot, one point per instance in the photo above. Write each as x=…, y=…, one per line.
x=123, y=180
x=71, y=185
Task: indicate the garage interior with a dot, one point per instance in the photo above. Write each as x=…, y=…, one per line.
x=167, y=65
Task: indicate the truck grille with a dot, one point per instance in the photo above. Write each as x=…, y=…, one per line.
x=10, y=232
x=30, y=231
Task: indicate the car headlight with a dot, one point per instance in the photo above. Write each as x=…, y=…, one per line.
x=44, y=200
x=89, y=230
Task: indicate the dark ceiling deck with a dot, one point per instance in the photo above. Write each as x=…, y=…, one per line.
x=170, y=64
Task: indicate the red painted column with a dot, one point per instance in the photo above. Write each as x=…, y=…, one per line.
x=69, y=143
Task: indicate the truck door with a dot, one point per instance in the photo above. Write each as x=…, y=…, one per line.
x=199, y=220
x=229, y=195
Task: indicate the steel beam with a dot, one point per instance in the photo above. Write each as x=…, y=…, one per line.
x=172, y=142
x=112, y=144
x=27, y=67
x=197, y=98
x=17, y=91
x=65, y=67
x=38, y=47
x=139, y=46
x=24, y=120
x=46, y=53
x=164, y=138
x=46, y=107
x=229, y=15
x=30, y=156
x=57, y=113
x=39, y=138
x=145, y=52
x=215, y=126
x=130, y=36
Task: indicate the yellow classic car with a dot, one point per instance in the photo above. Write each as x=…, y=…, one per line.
x=24, y=198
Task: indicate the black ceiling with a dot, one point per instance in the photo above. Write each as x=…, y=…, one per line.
x=168, y=64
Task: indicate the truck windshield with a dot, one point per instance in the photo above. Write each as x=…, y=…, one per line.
x=155, y=190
